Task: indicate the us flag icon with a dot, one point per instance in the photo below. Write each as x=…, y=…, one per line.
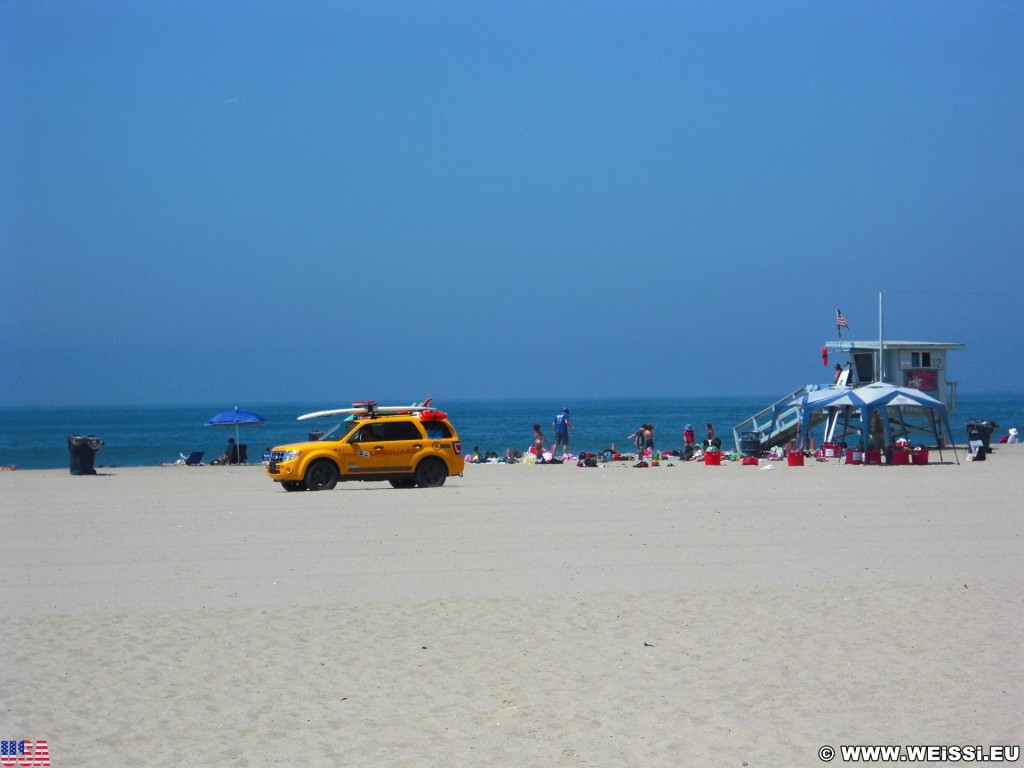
x=23, y=752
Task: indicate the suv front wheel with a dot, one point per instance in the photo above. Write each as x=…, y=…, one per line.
x=431, y=473
x=322, y=475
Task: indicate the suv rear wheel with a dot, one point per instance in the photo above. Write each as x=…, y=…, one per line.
x=322, y=475
x=431, y=473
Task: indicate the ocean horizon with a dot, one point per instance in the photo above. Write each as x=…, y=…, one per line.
x=151, y=435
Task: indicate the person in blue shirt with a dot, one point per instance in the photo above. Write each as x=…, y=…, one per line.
x=561, y=426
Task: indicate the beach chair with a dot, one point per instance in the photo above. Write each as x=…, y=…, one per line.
x=194, y=459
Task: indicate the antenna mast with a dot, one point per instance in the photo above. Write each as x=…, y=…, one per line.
x=881, y=346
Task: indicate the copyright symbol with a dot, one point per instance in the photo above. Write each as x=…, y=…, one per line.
x=826, y=753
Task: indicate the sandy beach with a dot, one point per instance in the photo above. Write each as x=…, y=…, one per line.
x=518, y=616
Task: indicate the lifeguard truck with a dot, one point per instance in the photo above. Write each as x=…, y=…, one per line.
x=406, y=445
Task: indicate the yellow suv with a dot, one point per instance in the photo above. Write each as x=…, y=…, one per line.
x=406, y=445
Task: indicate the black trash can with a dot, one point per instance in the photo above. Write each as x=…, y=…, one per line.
x=82, y=452
x=750, y=444
x=980, y=429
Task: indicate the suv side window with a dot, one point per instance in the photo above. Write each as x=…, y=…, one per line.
x=399, y=430
x=368, y=433
x=437, y=430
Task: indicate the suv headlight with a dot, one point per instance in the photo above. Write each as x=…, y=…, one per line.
x=290, y=455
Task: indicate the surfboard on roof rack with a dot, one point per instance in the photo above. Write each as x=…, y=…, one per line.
x=366, y=407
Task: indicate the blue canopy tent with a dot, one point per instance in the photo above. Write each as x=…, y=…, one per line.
x=875, y=399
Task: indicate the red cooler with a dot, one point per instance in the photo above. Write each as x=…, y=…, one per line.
x=831, y=450
x=795, y=459
x=901, y=458
x=713, y=458
x=872, y=457
x=920, y=456
x=854, y=457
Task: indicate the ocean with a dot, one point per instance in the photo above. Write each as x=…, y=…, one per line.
x=36, y=438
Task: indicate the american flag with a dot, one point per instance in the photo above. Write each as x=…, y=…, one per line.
x=841, y=320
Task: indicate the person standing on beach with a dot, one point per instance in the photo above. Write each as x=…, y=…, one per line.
x=561, y=426
x=638, y=440
x=643, y=438
x=710, y=439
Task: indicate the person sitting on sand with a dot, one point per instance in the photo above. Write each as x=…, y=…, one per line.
x=538, y=442
x=230, y=453
x=689, y=442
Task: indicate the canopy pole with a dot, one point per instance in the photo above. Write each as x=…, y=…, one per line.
x=935, y=432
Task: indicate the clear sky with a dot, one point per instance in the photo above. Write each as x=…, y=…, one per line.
x=245, y=202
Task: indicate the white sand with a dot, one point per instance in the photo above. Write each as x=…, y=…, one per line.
x=520, y=616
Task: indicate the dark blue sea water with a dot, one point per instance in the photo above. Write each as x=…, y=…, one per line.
x=36, y=438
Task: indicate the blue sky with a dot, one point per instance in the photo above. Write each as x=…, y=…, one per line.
x=252, y=202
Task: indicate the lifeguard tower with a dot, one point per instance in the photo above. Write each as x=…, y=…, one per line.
x=920, y=365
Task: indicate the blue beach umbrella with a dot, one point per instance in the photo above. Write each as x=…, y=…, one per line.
x=236, y=417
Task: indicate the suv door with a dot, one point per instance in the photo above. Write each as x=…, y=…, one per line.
x=384, y=448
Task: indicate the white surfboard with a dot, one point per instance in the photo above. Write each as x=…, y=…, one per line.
x=335, y=412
